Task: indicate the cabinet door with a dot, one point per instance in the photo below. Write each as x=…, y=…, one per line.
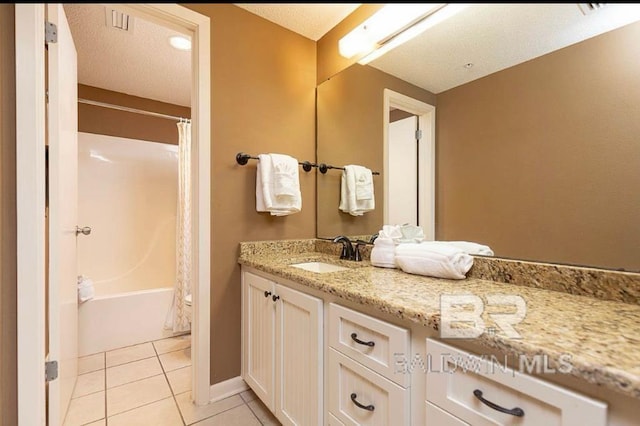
x=258, y=320
x=299, y=358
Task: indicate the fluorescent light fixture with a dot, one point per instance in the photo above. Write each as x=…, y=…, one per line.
x=382, y=25
x=180, y=42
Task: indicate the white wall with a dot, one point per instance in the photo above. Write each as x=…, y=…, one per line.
x=127, y=194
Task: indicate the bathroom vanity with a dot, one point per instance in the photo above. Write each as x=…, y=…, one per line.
x=355, y=344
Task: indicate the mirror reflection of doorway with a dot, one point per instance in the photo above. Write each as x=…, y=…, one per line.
x=409, y=162
x=404, y=134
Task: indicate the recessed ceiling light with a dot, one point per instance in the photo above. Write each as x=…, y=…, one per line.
x=180, y=42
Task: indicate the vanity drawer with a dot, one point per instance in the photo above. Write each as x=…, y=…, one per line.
x=456, y=376
x=351, y=384
x=380, y=341
x=434, y=416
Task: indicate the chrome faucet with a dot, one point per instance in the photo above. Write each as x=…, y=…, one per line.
x=347, y=248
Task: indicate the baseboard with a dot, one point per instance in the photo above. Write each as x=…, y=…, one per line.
x=227, y=388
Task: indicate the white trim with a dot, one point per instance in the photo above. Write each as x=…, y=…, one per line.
x=228, y=388
x=30, y=204
x=427, y=157
x=198, y=26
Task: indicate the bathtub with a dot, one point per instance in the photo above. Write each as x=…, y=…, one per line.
x=127, y=194
x=113, y=321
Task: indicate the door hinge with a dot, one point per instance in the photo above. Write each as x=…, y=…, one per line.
x=50, y=32
x=50, y=370
x=418, y=135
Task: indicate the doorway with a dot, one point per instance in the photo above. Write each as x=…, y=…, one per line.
x=30, y=120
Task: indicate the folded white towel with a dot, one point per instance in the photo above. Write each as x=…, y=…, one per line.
x=278, y=185
x=383, y=253
x=468, y=247
x=390, y=231
x=356, y=190
x=86, y=291
x=434, y=260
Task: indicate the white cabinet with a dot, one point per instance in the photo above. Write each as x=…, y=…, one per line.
x=282, y=349
x=480, y=391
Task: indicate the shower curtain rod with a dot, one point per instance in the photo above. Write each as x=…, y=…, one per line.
x=134, y=110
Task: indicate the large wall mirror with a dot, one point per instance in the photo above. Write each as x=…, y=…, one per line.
x=536, y=132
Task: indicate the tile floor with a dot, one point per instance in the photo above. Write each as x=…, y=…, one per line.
x=149, y=384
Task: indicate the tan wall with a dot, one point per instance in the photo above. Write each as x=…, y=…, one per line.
x=8, y=280
x=111, y=122
x=350, y=131
x=541, y=161
x=330, y=62
x=263, y=100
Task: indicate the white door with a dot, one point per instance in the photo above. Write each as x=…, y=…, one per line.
x=299, y=343
x=62, y=112
x=258, y=318
x=403, y=172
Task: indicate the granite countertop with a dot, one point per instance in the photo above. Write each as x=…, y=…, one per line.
x=601, y=338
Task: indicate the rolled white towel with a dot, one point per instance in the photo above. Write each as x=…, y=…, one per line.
x=468, y=247
x=434, y=260
x=383, y=253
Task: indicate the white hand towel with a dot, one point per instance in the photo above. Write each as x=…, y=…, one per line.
x=267, y=200
x=349, y=190
x=467, y=246
x=434, y=260
x=383, y=253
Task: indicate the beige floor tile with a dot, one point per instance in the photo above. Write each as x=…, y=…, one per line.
x=137, y=394
x=177, y=359
x=133, y=371
x=102, y=422
x=85, y=409
x=192, y=413
x=89, y=383
x=180, y=380
x=239, y=416
x=129, y=354
x=248, y=395
x=172, y=344
x=89, y=363
x=160, y=413
x=262, y=413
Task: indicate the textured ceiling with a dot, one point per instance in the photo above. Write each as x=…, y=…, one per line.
x=490, y=36
x=139, y=63
x=496, y=36
x=311, y=20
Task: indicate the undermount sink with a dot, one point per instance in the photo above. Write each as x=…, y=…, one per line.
x=319, y=267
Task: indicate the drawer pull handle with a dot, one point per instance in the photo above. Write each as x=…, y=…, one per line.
x=354, y=336
x=267, y=293
x=275, y=297
x=518, y=412
x=364, y=407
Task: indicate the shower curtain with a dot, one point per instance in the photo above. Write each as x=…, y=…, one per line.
x=177, y=319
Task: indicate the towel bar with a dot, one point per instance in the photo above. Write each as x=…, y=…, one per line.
x=324, y=167
x=242, y=159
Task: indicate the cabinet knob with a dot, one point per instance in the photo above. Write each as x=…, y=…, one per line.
x=267, y=293
x=275, y=297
